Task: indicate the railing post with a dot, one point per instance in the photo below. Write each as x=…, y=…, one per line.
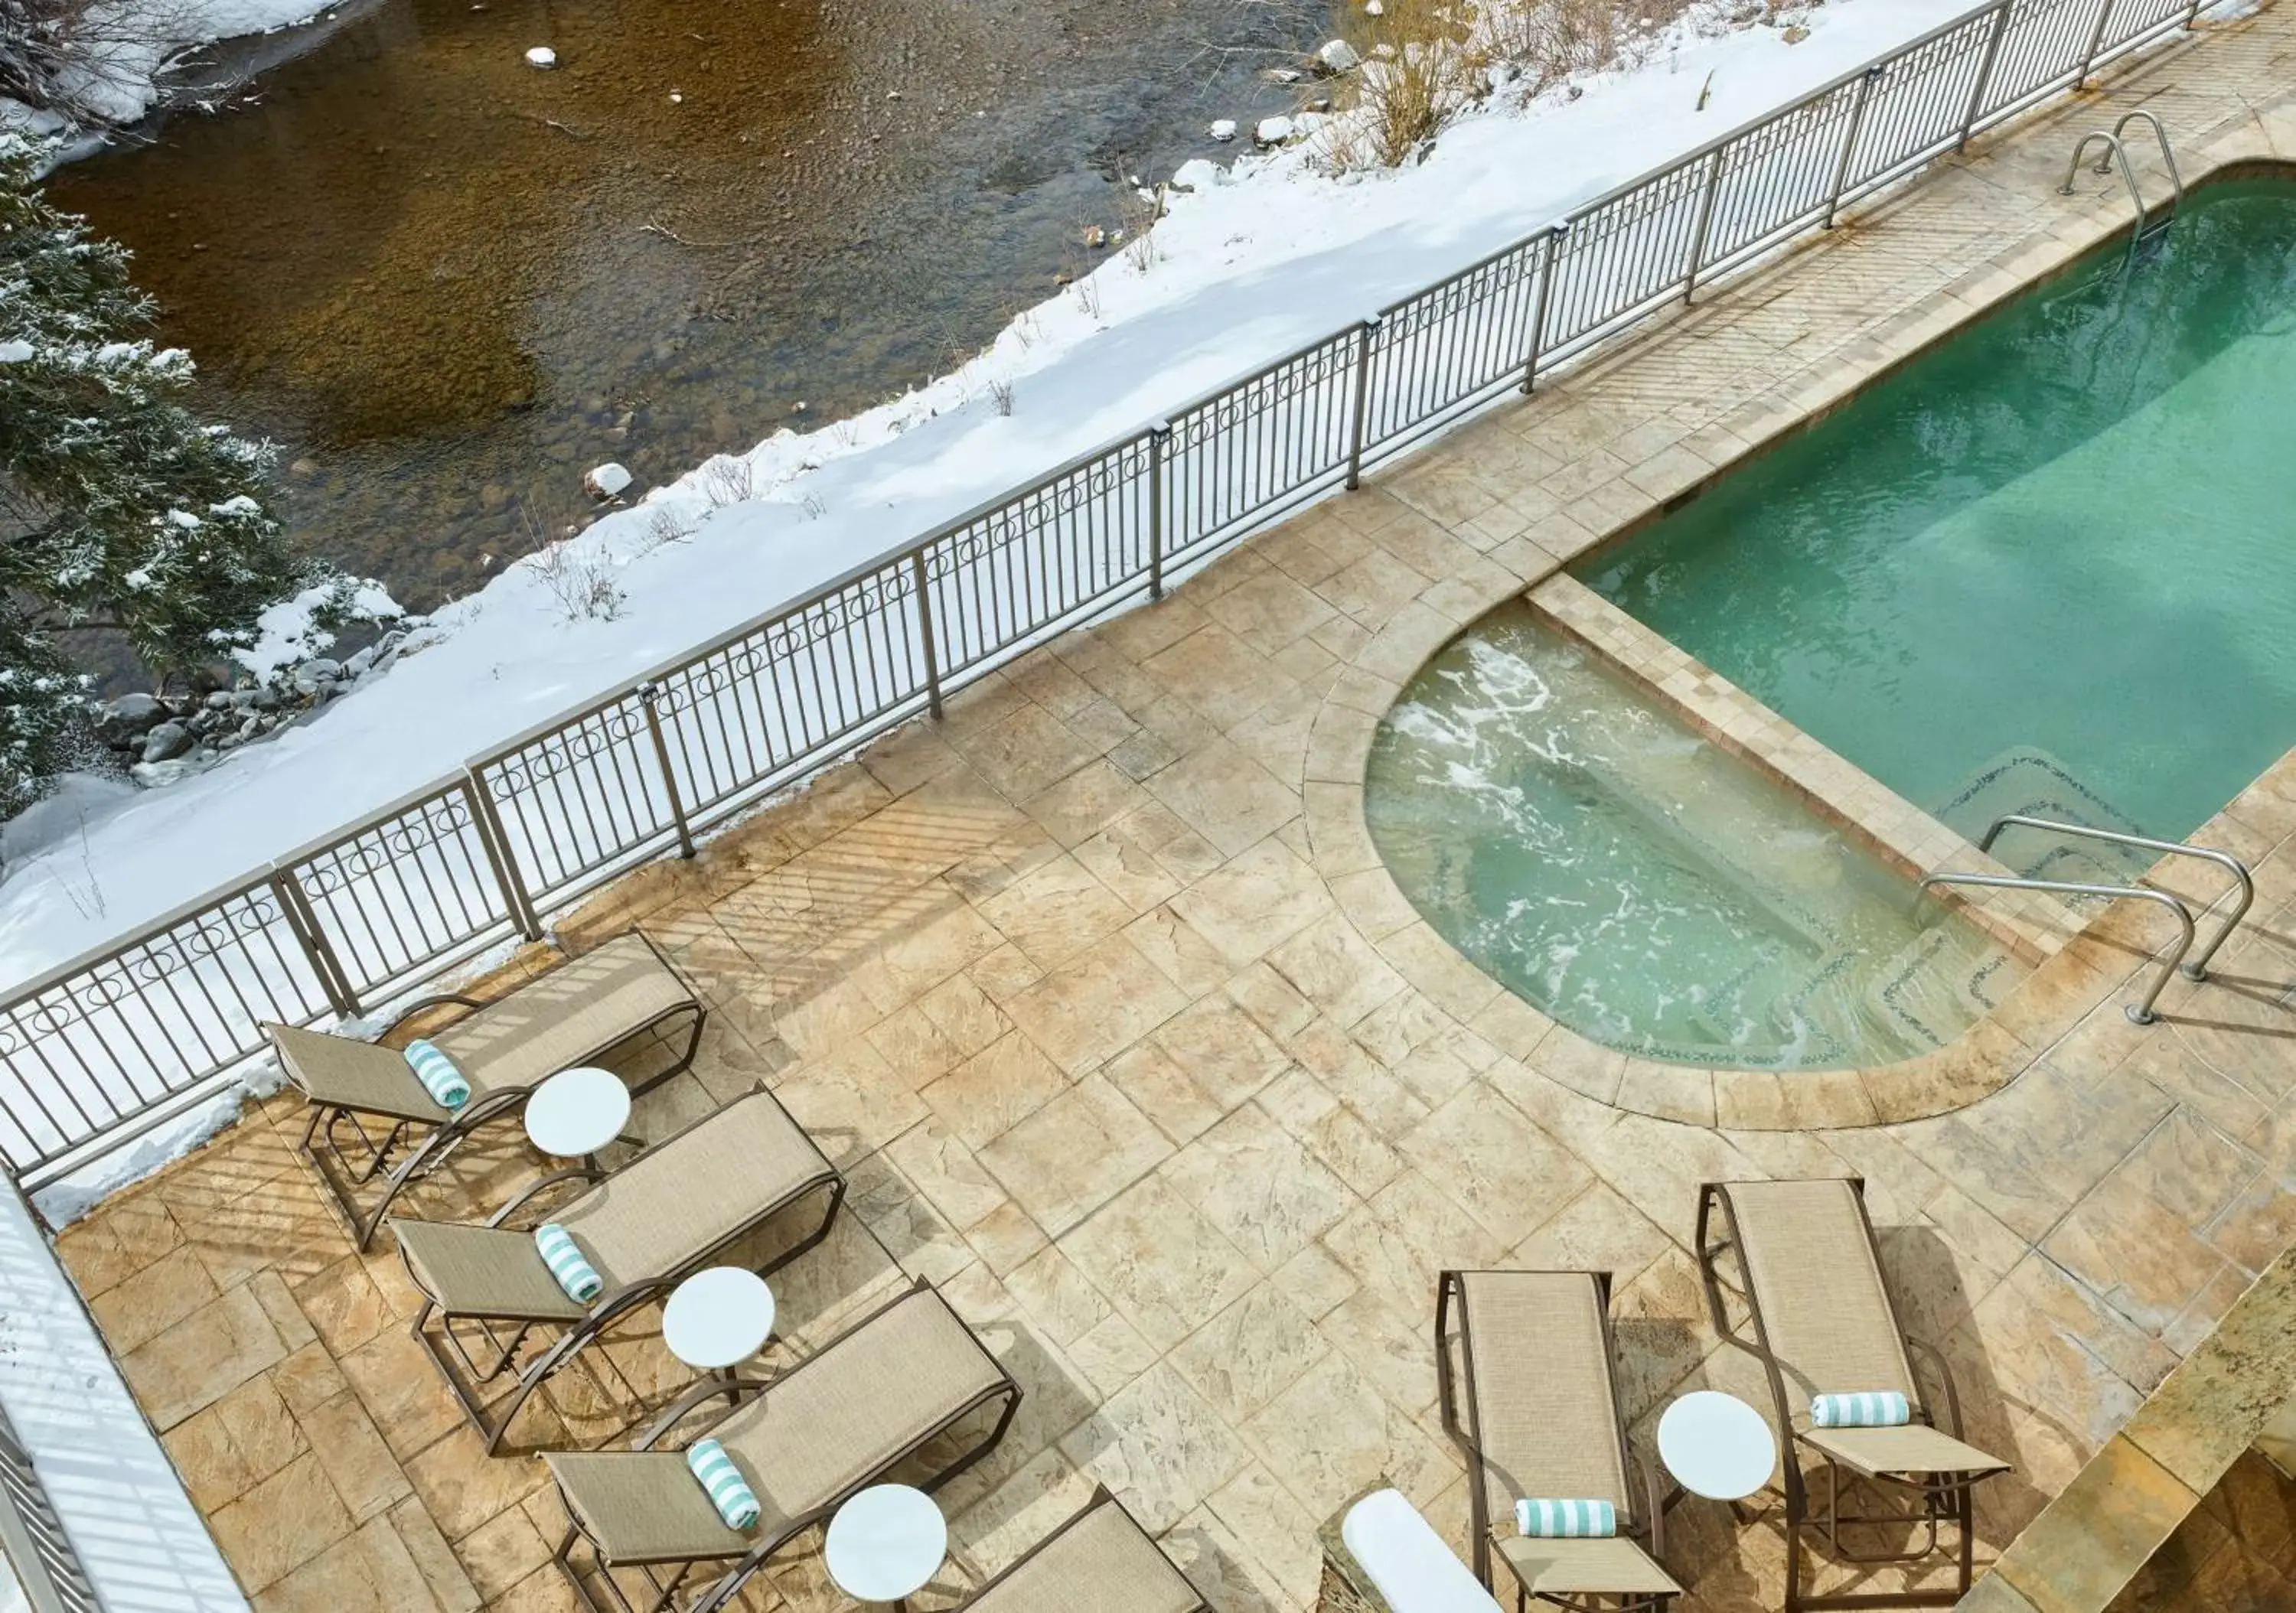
x=1159, y=440
x=1984, y=74
x=1359, y=410
x=1849, y=142
x=1705, y=220
x=1539, y=308
x=295, y=907
x=925, y=633
x=2096, y=43
x=2192, y=16
x=498, y=857
x=648, y=694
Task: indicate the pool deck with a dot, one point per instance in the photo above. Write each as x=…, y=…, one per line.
x=1100, y=997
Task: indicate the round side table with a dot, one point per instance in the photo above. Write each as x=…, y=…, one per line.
x=1716, y=1445
x=885, y=1544
x=577, y=1112
x=719, y=1318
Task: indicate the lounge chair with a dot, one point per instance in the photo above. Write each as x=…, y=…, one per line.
x=840, y=1421
x=1523, y=1375
x=1099, y=1561
x=661, y=1217
x=1811, y=1305
x=581, y=1012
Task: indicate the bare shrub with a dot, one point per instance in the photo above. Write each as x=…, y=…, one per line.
x=665, y=526
x=1000, y=392
x=1139, y=209
x=1424, y=62
x=89, y=59
x=1087, y=297
x=582, y=583
x=730, y=479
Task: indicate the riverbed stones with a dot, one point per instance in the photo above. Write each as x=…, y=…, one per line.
x=166, y=741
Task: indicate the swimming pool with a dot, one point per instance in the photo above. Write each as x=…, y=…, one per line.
x=2049, y=565
x=1645, y=887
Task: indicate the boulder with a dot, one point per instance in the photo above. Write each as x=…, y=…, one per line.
x=1272, y=131
x=542, y=55
x=605, y=481
x=166, y=742
x=1337, y=56
x=1223, y=128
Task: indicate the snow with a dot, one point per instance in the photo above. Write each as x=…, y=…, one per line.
x=542, y=55
x=288, y=630
x=15, y=352
x=121, y=90
x=606, y=481
x=1249, y=266
x=125, y=1510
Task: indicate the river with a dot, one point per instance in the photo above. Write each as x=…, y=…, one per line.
x=447, y=282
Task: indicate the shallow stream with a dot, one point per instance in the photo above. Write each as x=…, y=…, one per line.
x=448, y=283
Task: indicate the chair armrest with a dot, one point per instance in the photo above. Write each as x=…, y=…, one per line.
x=1936, y=1358
x=425, y=1005
x=699, y=1394
x=579, y=1173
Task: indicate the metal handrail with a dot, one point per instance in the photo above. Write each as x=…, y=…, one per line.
x=2197, y=968
x=2139, y=1013
x=101, y=1049
x=2112, y=147
x=32, y=1537
x=2167, y=156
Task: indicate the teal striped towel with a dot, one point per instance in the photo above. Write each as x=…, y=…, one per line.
x=1876, y=1409
x=563, y=1257
x=729, y=1492
x=448, y=1086
x=1566, y=1520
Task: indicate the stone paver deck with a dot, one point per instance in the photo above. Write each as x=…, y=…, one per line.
x=1100, y=997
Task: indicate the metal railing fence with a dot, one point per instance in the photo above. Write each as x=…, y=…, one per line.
x=32, y=1538
x=122, y=1039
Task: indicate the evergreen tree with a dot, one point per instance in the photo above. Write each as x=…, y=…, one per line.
x=119, y=507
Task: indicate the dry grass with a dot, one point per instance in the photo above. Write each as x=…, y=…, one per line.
x=1424, y=61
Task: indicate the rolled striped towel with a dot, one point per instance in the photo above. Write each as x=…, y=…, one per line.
x=447, y=1085
x=563, y=1257
x=1566, y=1520
x=1874, y=1409
x=729, y=1492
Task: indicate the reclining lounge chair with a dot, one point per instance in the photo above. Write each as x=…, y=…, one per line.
x=1811, y=1305
x=661, y=1217
x=840, y=1421
x=1523, y=1372
x=1099, y=1561
x=578, y=1013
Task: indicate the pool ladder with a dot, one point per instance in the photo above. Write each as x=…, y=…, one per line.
x=2192, y=968
x=2141, y=231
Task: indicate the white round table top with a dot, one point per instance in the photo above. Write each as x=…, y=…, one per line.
x=1716, y=1445
x=719, y=1316
x=577, y=1111
x=885, y=1543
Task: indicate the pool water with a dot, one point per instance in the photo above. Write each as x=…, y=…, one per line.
x=2050, y=566
x=1645, y=887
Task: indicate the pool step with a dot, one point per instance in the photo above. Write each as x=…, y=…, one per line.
x=2026, y=779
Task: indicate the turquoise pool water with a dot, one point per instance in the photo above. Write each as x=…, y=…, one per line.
x=1650, y=892
x=2049, y=565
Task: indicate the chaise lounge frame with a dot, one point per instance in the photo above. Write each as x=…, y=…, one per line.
x=1458, y=1403
x=345, y=1174
x=1925, y=1502
x=466, y=1374
x=747, y=1564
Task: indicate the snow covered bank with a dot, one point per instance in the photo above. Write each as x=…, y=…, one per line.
x=1248, y=266
x=130, y=43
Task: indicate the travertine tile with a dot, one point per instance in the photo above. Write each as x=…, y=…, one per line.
x=1075, y=1153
